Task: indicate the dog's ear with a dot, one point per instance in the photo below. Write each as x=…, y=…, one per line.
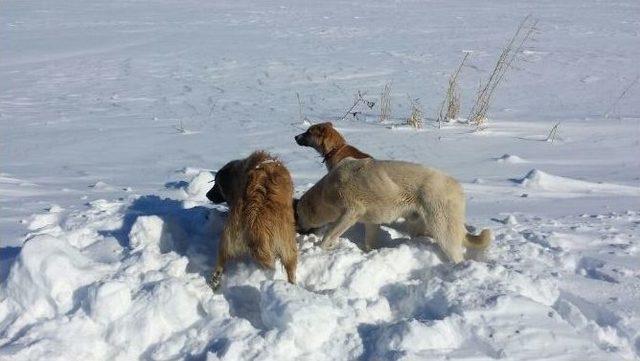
x=324, y=127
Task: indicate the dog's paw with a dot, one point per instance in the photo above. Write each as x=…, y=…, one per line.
x=327, y=246
x=215, y=281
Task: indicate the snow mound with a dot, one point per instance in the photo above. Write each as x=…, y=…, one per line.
x=312, y=320
x=508, y=158
x=45, y=275
x=150, y=232
x=101, y=186
x=539, y=180
x=199, y=186
x=194, y=191
x=414, y=337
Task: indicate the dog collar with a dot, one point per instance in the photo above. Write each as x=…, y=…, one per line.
x=332, y=153
x=266, y=161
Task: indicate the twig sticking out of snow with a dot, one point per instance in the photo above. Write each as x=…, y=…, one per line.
x=415, y=119
x=180, y=127
x=385, y=103
x=358, y=99
x=622, y=95
x=452, y=97
x=553, y=133
x=478, y=113
x=302, y=117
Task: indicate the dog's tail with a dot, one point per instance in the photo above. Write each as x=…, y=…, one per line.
x=259, y=229
x=481, y=241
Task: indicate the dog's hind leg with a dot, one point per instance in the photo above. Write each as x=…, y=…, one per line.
x=290, y=262
x=371, y=231
x=346, y=220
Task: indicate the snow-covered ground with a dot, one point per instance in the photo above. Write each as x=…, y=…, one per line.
x=113, y=114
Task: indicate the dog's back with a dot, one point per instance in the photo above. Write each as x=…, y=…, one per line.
x=395, y=186
x=268, y=211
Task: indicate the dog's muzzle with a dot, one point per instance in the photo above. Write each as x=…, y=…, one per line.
x=300, y=139
x=215, y=196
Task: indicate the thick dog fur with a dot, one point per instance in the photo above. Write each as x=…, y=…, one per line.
x=259, y=192
x=375, y=192
x=327, y=141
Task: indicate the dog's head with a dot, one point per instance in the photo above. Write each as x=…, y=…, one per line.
x=322, y=137
x=225, y=187
x=300, y=228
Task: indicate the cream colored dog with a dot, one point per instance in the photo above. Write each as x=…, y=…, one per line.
x=375, y=192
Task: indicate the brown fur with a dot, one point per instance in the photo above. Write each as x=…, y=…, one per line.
x=331, y=145
x=259, y=192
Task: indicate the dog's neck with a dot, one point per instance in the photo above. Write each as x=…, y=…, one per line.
x=331, y=158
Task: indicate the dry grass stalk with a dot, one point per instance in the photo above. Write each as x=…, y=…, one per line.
x=525, y=31
x=553, y=133
x=622, y=95
x=301, y=115
x=180, y=127
x=452, y=97
x=385, y=103
x=416, y=118
x=357, y=100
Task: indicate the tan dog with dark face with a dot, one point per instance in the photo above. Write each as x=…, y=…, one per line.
x=327, y=141
x=376, y=192
x=259, y=192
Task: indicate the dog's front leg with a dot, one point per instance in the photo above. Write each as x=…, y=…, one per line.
x=223, y=254
x=216, y=276
x=346, y=220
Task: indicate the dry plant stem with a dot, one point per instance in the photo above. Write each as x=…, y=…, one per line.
x=553, y=133
x=415, y=119
x=180, y=127
x=452, y=97
x=300, y=109
x=385, y=103
x=358, y=99
x=478, y=112
x=622, y=95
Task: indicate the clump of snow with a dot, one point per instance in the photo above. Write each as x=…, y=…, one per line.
x=101, y=186
x=190, y=171
x=150, y=232
x=199, y=186
x=108, y=301
x=414, y=337
x=508, y=158
x=44, y=277
x=311, y=320
x=510, y=220
x=45, y=220
x=194, y=191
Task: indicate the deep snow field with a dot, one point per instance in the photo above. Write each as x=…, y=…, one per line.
x=107, y=238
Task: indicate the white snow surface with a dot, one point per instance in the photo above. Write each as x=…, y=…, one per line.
x=115, y=114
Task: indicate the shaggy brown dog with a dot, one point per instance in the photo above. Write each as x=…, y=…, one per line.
x=325, y=139
x=259, y=192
